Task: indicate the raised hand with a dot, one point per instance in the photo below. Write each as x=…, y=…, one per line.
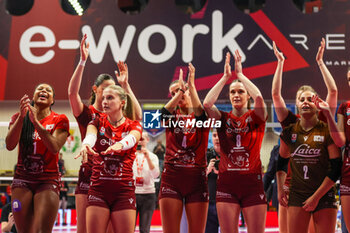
x=278, y=54
x=191, y=73
x=319, y=55
x=84, y=49
x=181, y=81
x=320, y=104
x=114, y=149
x=238, y=63
x=123, y=74
x=227, y=68
x=23, y=107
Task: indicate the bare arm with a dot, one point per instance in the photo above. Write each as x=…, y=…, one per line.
x=276, y=90
x=196, y=103
x=337, y=135
x=259, y=103
x=281, y=176
x=123, y=80
x=340, y=126
x=173, y=102
x=75, y=81
x=14, y=133
x=215, y=91
x=332, y=90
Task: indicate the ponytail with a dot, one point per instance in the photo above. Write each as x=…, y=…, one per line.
x=100, y=79
x=26, y=139
x=128, y=109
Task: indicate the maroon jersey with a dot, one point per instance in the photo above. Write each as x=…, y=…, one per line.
x=41, y=164
x=344, y=109
x=240, y=142
x=185, y=146
x=88, y=114
x=112, y=167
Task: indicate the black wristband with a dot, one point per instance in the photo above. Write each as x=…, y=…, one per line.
x=282, y=164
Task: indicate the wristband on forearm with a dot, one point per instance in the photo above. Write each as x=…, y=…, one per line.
x=128, y=142
x=82, y=62
x=90, y=140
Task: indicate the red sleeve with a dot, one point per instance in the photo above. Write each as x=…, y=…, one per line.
x=63, y=123
x=257, y=119
x=135, y=125
x=341, y=109
x=13, y=119
x=85, y=116
x=95, y=122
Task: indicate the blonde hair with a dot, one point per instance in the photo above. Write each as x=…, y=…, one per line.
x=304, y=88
x=249, y=99
x=128, y=108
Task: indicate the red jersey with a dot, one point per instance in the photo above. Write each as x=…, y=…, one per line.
x=240, y=142
x=344, y=109
x=186, y=145
x=111, y=167
x=41, y=164
x=88, y=114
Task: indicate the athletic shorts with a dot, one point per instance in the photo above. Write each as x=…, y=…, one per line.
x=35, y=186
x=113, y=200
x=345, y=185
x=326, y=202
x=83, y=185
x=243, y=189
x=188, y=184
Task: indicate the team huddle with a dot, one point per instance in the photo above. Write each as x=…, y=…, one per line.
x=309, y=164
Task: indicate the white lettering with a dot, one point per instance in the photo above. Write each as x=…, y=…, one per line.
x=25, y=44
x=330, y=41
x=219, y=42
x=108, y=36
x=188, y=34
x=170, y=43
x=302, y=41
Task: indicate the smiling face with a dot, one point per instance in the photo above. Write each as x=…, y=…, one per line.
x=111, y=101
x=305, y=104
x=239, y=96
x=43, y=95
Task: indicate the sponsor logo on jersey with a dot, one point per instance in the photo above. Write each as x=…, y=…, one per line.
x=348, y=122
x=318, y=138
x=294, y=137
x=223, y=195
x=305, y=138
x=102, y=131
x=348, y=111
x=304, y=150
x=131, y=200
x=261, y=196
x=94, y=198
x=107, y=141
x=168, y=191
x=50, y=126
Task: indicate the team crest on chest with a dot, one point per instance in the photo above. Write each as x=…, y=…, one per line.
x=294, y=137
x=348, y=111
x=50, y=126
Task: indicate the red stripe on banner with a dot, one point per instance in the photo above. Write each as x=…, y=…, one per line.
x=200, y=14
x=293, y=59
x=3, y=73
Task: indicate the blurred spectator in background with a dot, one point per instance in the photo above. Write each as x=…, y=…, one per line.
x=61, y=167
x=269, y=179
x=7, y=219
x=159, y=150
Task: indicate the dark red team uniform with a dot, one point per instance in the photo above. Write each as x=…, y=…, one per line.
x=39, y=170
x=88, y=114
x=344, y=109
x=112, y=183
x=240, y=179
x=184, y=175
